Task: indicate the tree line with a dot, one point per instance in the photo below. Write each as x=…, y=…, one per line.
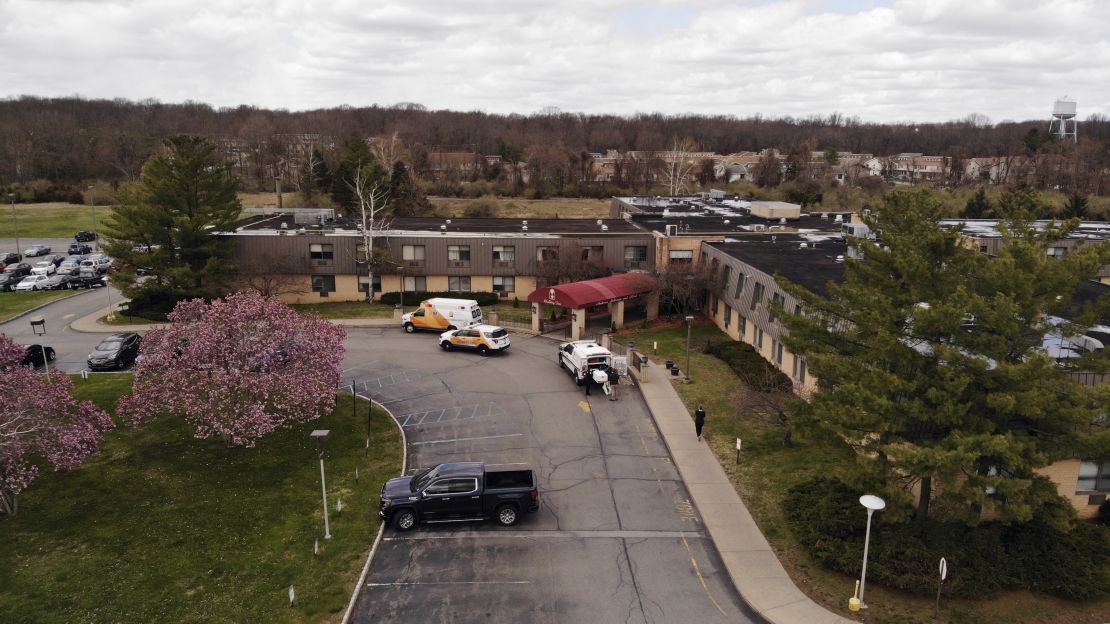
x=67, y=141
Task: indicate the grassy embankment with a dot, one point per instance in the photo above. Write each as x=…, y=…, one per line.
x=13, y=304
x=767, y=469
x=162, y=527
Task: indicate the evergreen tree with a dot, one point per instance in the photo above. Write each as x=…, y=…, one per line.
x=979, y=207
x=1075, y=207
x=355, y=155
x=930, y=362
x=165, y=224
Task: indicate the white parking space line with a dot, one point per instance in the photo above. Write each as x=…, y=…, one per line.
x=507, y=435
x=451, y=583
x=450, y=414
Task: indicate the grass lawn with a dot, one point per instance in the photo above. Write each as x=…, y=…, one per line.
x=565, y=208
x=350, y=309
x=50, y=220
x=523, y=314
x=768, y=469
x=14, y=303
x=162, y=527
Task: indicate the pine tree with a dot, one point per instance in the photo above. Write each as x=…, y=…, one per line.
x=1075, y=207
x=978, y=207
x=930, y=365
x=165, y=222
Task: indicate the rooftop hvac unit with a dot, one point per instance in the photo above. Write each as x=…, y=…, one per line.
x=605, y=228
x=524, y=228
x=840, y=258
x=672, y=230
x=727, y=222
x=599, y=221
x=448, y=222
x=524, y=222
x=803, y=246
x=782, y=221
x=443, y=229
x=759, y=227
x=284, y=225
x=839, y=219
x=774, y=239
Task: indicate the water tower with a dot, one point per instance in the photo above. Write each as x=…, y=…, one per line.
x=1064, y=124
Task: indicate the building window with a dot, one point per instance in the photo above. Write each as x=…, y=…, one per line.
x=726, y=276
x=363, y=281
x=776, y=352
x=1057, y=252
x=757, y=296
x=743, y=325
x=323, y=284
x=728, y=315
x=546, y=254
x=593, y=254
x=703, y=257
x=458, y=284
x=1093, y=477
x=681, y=256
x=416, y=283
x=741, y=281
x=504, y=285
x=778, y=298
x=635, y=256
x=318, y=251
x=504, y=253
x=759, y=339
x=797, y=309
x=800, y=369
x=458, y=255
x=413, y=255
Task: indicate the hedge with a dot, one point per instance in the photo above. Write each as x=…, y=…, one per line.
x=825, y=517
x=749, y=365
x=483, y=298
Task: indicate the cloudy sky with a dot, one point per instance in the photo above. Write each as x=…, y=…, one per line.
x=882, y=60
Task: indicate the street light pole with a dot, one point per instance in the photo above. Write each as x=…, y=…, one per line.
x=873, y=504
x=321, y=436
x=96, y=235
x=688, y=319
x=15, y=226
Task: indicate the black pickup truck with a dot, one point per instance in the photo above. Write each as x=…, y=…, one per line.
x=459, y=492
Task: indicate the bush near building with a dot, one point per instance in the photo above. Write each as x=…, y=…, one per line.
x=483, y=298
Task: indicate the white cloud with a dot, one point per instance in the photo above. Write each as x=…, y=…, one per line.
x=880, y=60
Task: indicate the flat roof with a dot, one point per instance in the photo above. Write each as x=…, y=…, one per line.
x=811, y=267
x=988, y=228
x=452, y=226
x=692, y=224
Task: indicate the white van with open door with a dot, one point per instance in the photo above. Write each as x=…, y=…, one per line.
x=441, y=314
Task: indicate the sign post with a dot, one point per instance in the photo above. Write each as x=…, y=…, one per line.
x=738, y=450
x=940, y=583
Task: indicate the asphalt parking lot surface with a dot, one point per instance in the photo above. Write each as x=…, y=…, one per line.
x=72, y=347
x=616, y=539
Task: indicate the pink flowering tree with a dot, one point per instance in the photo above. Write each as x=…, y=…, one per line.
x=40, y=422
x=237, y=368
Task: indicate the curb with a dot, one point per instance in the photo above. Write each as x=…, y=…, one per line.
x=381, y=527
x=42, y=305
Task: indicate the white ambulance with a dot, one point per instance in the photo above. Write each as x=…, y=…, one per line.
x=583, y=357
x=441, y=313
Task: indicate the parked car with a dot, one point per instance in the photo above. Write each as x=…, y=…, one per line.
x=10, y=257
x=45, y=267
x=458, y=492
x=71, y=265
x=87, y=281
x=57, y=282
x=32, y=282
x=8, y=281
x=96, y=265
x=19, y=268
x=581, y=357
x=484, y=339
x=76, y=249
x=115, y=351
x=37, y=355
x=36, y=250
x=84, y=236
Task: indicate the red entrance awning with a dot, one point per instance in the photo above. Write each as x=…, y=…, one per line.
x=579, y=295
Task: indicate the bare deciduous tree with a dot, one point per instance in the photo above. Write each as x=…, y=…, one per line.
x=372, y=198
x=679, y=164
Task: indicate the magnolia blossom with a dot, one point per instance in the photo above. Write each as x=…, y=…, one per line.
x=237, y=368
x=40, y=419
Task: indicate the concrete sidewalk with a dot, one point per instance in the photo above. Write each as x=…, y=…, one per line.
x=91, y=324
x=748, y=557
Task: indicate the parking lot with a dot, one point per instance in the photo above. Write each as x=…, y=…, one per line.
x=616, y=539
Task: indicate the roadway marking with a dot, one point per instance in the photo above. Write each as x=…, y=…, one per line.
x=507, y=435
x=584, y=406
x=451, y=583
x=68, y=316
x=450, y=414
x=683, y=535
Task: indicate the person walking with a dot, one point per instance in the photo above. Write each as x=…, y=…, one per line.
x=699, y=420
x=614, y=383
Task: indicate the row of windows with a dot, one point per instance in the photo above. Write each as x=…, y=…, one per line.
x=778, y=350
x=414, y=255
x=325, y=284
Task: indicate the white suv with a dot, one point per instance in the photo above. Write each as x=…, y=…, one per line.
x=96, y=265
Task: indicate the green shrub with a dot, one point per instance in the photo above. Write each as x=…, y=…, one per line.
x=413, y=298
x=484, y=206
x=749, y=365
x=826, y=519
